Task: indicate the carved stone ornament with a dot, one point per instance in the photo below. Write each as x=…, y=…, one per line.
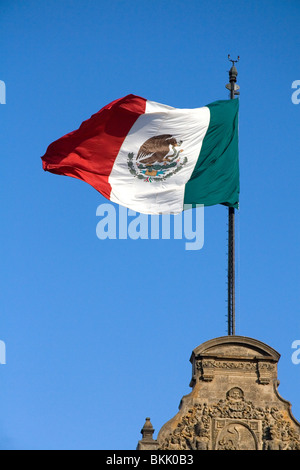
x=232, y=424
x=234, y=403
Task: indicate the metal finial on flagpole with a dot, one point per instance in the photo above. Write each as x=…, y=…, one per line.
x=233, y=88
x=233, y=61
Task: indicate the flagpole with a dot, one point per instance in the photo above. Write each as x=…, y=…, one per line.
x=233, y=88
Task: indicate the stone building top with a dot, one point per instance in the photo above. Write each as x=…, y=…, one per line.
x=234, y=403
x=235, y=353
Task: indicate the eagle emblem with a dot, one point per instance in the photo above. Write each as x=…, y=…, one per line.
x=157, y=159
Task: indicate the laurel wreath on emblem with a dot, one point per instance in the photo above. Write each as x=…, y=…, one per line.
x=157, y=159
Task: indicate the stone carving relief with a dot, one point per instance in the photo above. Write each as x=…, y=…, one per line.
x=232, y=424
x=236, y=436
x=264, y=370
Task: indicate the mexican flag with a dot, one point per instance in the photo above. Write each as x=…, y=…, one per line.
x=153, y=158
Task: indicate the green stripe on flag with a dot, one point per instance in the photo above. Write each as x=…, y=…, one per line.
x=215, y=179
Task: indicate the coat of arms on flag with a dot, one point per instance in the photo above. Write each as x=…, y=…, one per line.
x=157, y=159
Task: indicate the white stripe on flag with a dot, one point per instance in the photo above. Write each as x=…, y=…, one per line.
x=159, y=196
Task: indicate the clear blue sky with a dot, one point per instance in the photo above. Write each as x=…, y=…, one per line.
x=98, y=333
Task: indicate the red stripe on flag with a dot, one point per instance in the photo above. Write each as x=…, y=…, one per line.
x=90, y=152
